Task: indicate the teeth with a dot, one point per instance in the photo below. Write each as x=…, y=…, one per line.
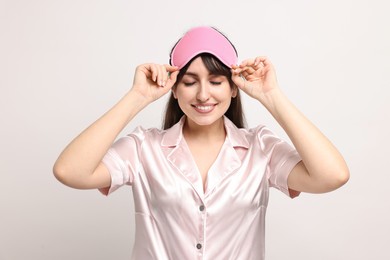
x=204, y=108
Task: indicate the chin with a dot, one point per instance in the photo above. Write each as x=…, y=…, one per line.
x=204, y=120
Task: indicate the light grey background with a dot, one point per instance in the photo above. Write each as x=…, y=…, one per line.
x=64, y=63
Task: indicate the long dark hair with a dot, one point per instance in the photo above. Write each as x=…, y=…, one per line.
x=173, y=112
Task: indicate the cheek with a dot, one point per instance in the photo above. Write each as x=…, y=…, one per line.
x=182, y=93
x=226, y=93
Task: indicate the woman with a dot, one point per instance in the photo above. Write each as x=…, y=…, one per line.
x=201, y=185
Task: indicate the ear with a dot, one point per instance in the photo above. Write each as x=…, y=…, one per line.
x=174, y=92
x=234, y=91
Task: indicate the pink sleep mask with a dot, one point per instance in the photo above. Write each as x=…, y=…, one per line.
x=203, y=39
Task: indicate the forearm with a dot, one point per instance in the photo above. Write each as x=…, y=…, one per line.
x=323, y=162
x=82, y=156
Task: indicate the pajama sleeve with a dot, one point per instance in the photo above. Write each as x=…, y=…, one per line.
x=123, y=160
x=282, y=158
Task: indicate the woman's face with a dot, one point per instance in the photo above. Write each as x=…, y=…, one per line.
x=204, y=98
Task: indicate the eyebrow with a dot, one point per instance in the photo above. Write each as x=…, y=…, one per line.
x=193, y=74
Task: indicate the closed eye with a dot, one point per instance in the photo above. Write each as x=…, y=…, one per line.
x=188, y=84
x=215, y=82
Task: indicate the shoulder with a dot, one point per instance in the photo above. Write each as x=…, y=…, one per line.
x=144, y=134
x=257, y=132
x=245, y=137
x=155, y=135
x=262, y=131
x=261, y=137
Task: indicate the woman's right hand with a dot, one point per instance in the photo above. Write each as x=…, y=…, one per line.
x=79, y=165
x=152, y=81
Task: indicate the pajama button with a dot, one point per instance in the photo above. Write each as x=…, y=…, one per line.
x=201, y=207
x=198, y=246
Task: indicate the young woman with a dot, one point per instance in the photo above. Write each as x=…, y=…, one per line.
x=201, y=184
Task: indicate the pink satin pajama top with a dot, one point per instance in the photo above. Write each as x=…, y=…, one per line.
x=175, y=218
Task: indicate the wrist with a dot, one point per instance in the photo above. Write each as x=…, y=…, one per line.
x=137, y=98
x=280, y=107
x=271, y=99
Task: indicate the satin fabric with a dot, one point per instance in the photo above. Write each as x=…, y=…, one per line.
x=175, y=218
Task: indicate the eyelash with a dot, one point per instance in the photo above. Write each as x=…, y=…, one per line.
x=188, y=84
x=215, y=82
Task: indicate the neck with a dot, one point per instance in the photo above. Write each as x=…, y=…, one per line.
x=215, y=131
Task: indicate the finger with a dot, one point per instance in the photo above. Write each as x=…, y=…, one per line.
x=247, y=62
x=244, y=74
x=145, y=69
x=259, y=60
x=161, y=75
x=248, y=70
x=236, y=70
x=256, y=63
x=263, y=60
x=170, y=68
x=171, y=79
x=238, y=80
x=154, y=72
x=164, y=76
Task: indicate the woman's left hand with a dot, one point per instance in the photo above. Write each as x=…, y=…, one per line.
x=255, y=77
x=322, y=168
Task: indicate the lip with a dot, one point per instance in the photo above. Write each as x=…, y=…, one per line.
x=204, y=108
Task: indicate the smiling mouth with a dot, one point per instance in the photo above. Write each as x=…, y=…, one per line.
x=204, y=108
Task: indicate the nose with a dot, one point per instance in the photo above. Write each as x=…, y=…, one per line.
x=203, y=93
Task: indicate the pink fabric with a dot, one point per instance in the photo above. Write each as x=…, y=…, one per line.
x=175, y=218
x=203, y=39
